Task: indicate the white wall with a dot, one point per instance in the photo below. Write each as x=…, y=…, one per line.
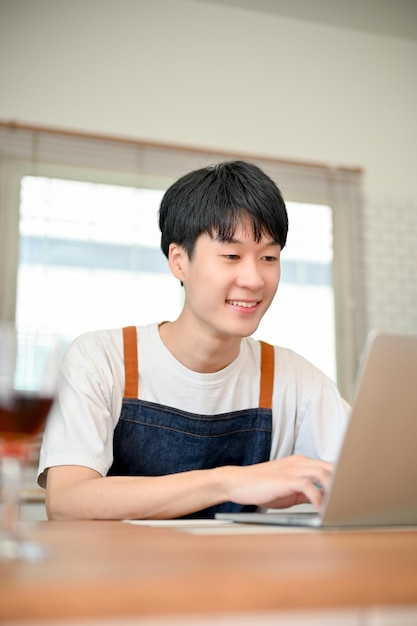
x=220, y=77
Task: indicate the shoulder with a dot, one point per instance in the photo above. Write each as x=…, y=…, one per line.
x=291, y=361
x=104, y=349
x=286, y=360
x=294, y=371
x=97, y=344
x=313, y=389
x=291, y=370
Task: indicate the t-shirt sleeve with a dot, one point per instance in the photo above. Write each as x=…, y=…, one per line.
x=79, y=430
x=322, y=421
x=309, y=414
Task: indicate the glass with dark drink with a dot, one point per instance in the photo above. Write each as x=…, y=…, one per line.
x=29, y=366
x=23, y=416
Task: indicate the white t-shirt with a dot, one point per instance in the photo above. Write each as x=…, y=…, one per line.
x=308, y=414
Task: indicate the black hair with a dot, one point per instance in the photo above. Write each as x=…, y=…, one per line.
x=216, y=199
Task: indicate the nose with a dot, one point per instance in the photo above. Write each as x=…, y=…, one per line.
x=250, y=275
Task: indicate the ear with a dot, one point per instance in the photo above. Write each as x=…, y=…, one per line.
x=177, y=260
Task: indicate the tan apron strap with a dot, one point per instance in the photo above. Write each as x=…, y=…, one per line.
x=130, y=348
x=267, y=376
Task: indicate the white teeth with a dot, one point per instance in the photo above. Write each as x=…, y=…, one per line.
x=246, y=305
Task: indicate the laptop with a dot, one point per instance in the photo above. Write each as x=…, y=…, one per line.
x=375, y=477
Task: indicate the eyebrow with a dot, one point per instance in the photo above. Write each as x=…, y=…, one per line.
x=271, y=242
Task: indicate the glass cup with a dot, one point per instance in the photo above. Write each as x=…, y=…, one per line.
x=29, y=369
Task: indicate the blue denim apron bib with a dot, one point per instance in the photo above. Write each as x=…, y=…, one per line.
x=155, y=440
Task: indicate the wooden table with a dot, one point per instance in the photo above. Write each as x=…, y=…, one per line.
x=115, y=568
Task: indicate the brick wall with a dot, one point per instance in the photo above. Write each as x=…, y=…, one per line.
x=390, y=265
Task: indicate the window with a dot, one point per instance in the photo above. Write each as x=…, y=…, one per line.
x=90, y=258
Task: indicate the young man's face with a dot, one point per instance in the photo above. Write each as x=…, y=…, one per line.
x=229, y=285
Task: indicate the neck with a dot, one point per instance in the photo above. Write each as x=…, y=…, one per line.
x=198, y=350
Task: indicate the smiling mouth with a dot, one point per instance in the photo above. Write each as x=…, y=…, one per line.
x=241, y=303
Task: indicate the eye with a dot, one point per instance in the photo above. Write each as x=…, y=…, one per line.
x=231, y=257
x=270, y=259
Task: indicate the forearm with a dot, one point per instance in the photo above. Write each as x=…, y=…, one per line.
x=90, y=496
x=75, y=492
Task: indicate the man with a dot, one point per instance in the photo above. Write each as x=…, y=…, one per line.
x=193, y=416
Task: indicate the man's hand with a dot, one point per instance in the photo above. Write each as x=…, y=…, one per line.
x=279, y=484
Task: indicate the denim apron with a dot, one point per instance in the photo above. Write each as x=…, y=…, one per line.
x=155, y=440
